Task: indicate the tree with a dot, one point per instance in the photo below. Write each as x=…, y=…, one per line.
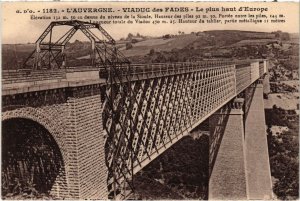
x=129, y=37
x=167, y=36
x=134, y=40
x=128, y=46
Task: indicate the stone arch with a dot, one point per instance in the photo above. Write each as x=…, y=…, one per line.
x=50, y=131
x=43, y=118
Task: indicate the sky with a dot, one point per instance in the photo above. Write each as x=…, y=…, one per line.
x=20, y=28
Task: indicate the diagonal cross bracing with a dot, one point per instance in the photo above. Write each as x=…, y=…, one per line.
x=182, y=96
x=150, y=107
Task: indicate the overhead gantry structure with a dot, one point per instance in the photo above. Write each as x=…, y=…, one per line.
x=50, y=53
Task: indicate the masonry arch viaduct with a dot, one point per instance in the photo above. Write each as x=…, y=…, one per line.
x=109, y=128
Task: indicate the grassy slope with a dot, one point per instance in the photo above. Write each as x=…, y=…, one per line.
x=13, y=55
x=190, y=45
x=144, y=47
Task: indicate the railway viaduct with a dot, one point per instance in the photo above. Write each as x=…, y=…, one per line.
x=97, y=128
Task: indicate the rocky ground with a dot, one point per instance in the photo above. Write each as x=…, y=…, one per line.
x=282, y=119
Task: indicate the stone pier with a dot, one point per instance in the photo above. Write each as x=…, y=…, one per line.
x=227, y=173
x=256, y=148
x=239, y=158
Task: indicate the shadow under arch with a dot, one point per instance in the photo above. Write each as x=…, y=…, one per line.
x=32, y=162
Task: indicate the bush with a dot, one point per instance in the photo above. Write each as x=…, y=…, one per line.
x=152, y=51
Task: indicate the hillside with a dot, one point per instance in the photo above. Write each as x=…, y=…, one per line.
x=172, y=48
x=13, y=55
x=160, y=44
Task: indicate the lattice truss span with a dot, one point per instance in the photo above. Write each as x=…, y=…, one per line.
x=147, y=108
x=50, y=47
x=150, y=114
